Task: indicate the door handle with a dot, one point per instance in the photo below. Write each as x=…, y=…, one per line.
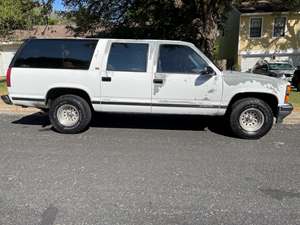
x=106, y=79
x=158, y=81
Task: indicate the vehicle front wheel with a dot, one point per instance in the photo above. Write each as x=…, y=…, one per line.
x=298, y=86
x=70, y=114
x=251, y=118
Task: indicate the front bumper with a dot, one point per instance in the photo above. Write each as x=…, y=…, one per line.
x=284, y=111
x=6, y=99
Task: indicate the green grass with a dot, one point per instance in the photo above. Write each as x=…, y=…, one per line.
x=295, y=99
x=3, y=89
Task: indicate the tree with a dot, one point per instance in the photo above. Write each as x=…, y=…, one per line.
x=14, y=14
x=46, y=8
x=22, y=14
x=197, y=21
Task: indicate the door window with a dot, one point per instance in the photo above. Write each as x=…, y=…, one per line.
x=179, y=59
x=129, y=57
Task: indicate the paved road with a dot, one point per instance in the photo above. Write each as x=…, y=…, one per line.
x=146, y=170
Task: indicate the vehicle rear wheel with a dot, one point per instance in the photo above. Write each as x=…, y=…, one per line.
x=251, y=118
x=70, y=114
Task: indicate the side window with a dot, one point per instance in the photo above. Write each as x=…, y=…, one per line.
x=56, y=54
x=264, y=68
x=179, y=59
x=128, y=57
x=255, y=27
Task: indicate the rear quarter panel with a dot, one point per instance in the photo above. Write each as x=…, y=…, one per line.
x=34, y=83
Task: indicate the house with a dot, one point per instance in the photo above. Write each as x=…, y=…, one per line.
x=9, y=48
x=261, y=31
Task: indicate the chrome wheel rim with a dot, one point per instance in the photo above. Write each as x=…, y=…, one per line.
x=67, y=115
x=252, y=119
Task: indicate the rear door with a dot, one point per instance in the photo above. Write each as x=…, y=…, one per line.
x=126, y=78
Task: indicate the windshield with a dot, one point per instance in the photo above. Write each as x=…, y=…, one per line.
x=280, y=66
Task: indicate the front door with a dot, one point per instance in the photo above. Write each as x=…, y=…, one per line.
x=180, y=84
x=127, y=79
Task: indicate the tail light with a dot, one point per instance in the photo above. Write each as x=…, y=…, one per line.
x=8, y=77
x=287, y=94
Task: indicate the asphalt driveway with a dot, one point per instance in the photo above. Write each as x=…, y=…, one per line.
x=146, y=170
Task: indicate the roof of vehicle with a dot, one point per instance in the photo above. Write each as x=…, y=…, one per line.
x=112, y=39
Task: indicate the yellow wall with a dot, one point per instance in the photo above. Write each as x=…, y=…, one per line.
x=267, y=42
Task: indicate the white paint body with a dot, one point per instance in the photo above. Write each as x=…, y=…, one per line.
x=135, y=92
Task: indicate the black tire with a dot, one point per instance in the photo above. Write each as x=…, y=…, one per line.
x=44, y=110
x=251, y=104
x=298, y=86
x=83, y=114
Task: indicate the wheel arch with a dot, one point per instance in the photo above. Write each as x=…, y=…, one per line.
x=270, y=99
x=56, y=92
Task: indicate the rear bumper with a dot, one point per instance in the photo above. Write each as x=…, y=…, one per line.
x=284, y=111
x=6, y=99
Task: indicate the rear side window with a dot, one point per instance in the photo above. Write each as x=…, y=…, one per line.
x=56, y=54
x=128, y=57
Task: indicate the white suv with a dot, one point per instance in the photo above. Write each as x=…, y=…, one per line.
x=74, y=77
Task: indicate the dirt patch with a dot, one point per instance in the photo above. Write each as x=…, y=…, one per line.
x=4, y=108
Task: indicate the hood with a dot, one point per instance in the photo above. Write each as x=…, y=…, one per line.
x=250, y=76
x=239, y=77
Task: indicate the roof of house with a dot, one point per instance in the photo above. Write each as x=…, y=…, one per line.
x=51, y=31
x=263, y=6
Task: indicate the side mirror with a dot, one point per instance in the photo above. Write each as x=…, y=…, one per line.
x=208, y=71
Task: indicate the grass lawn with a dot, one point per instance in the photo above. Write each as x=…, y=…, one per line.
x=3, y=89
x=295, y=99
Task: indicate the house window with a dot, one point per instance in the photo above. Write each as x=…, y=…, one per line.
x=279, y=27
x=255, y=27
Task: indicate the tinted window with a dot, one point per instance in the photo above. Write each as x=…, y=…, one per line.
x=255, y=27
x=58, y=54
x=264, y=67
x=128, y=57
x=179, y=59
x=261, y=68
x=281, y=66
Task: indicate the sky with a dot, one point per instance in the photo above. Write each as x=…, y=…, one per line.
x=58, y=5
